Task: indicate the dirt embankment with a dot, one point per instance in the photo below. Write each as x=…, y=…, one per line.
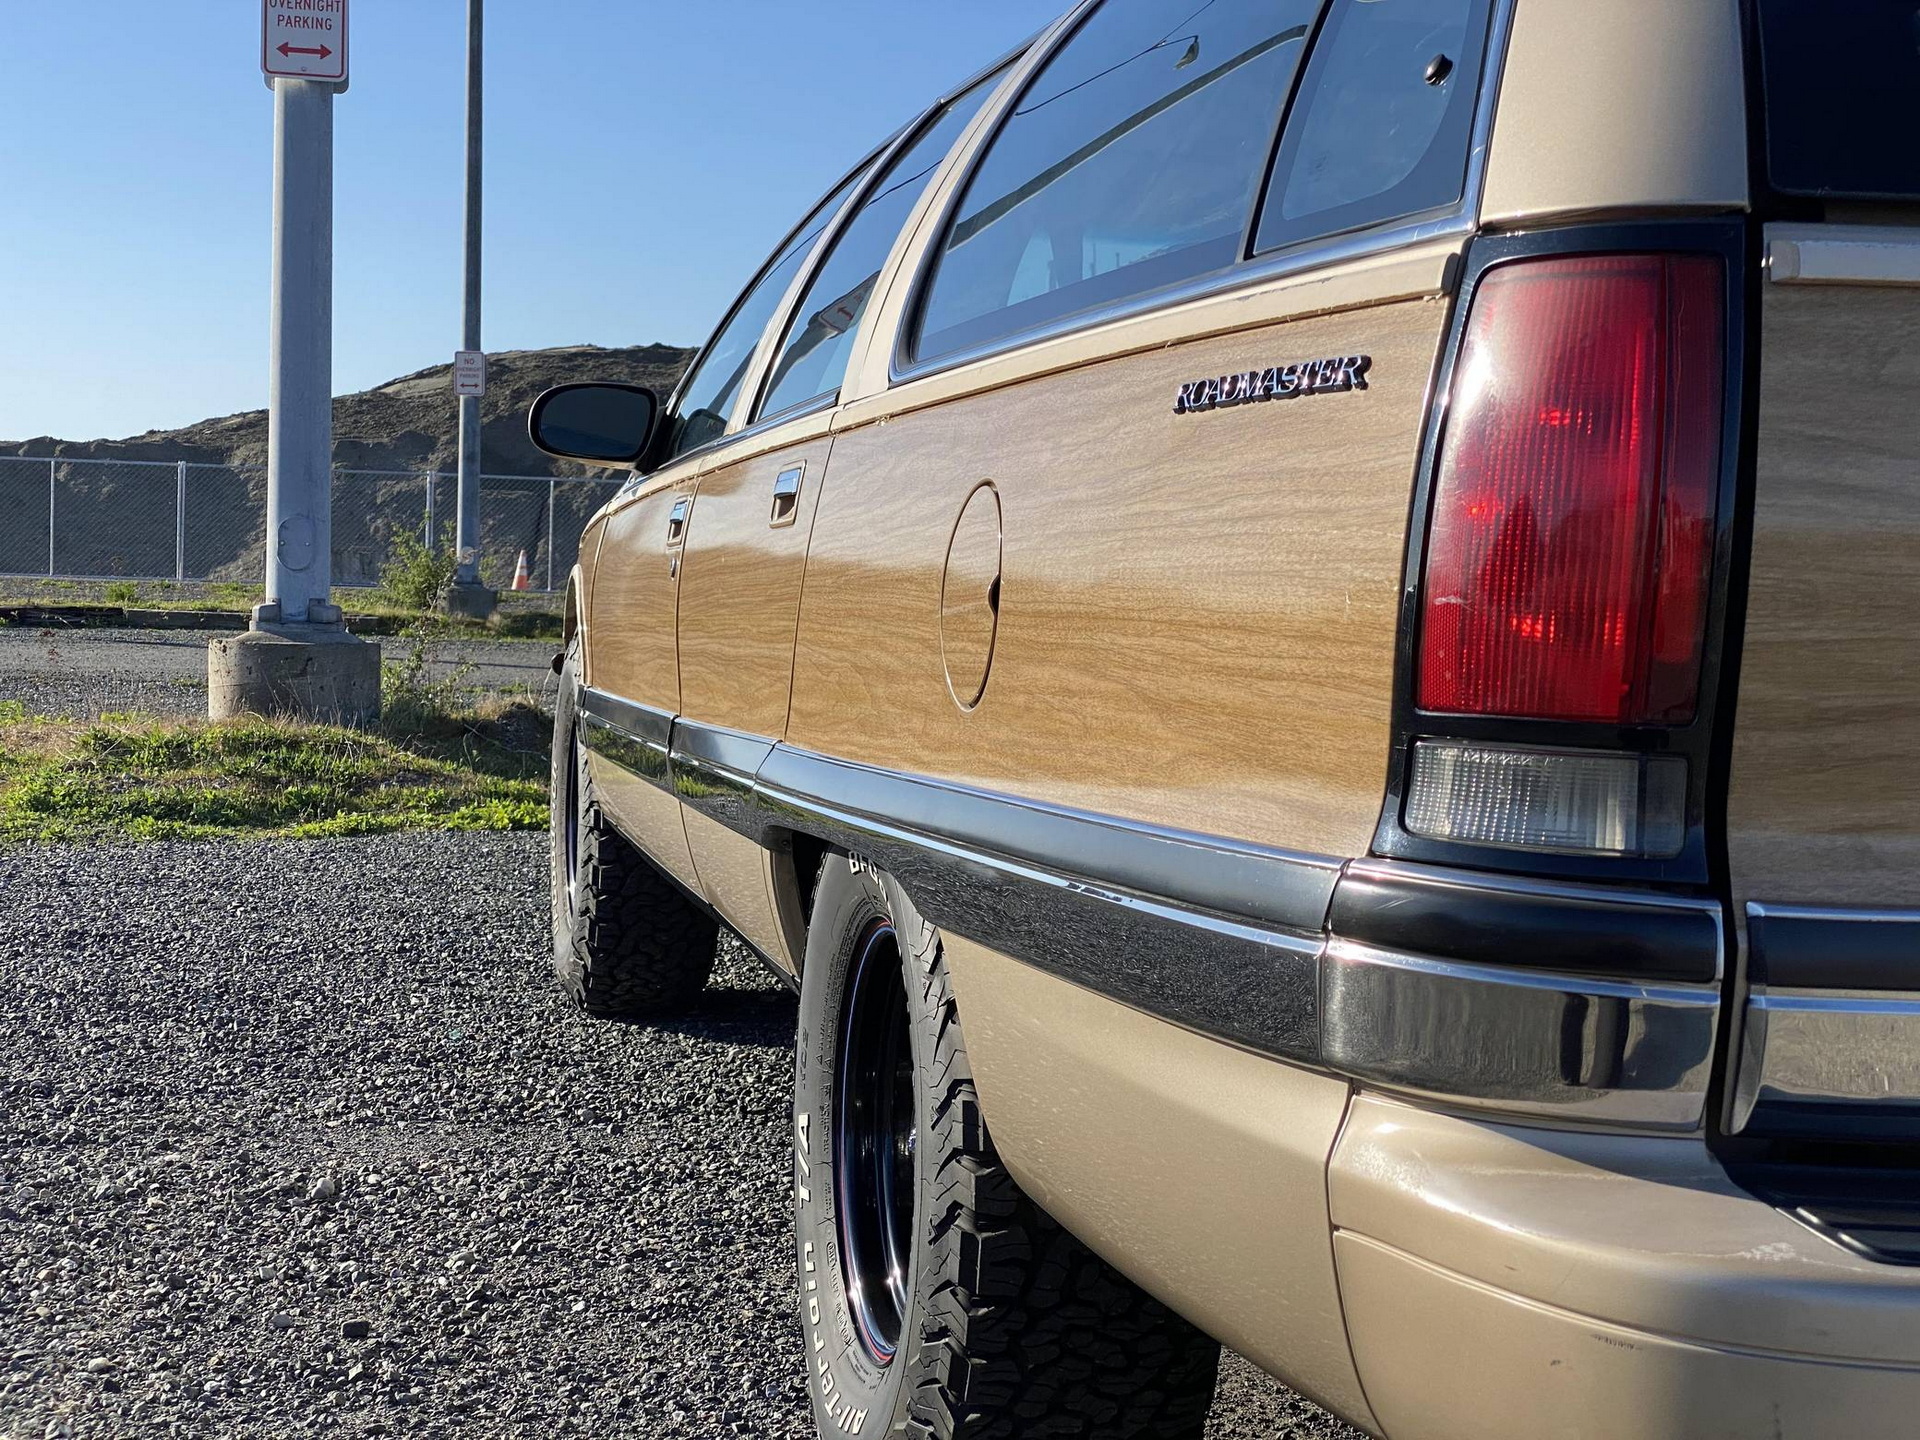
x=406, y=424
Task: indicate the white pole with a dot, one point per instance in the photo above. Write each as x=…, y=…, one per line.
x=52, y=467
x=466, y=524
x=300, y=371
x=180, y=523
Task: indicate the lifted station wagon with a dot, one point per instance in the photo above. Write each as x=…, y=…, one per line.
x=1296, y=622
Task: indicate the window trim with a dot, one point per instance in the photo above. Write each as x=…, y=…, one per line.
x=830, y=229
x=1273, y=189
x=1340, y=248
x=902, y=140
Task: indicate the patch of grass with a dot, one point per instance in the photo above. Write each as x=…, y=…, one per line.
x=122, y=592
x=137, y=777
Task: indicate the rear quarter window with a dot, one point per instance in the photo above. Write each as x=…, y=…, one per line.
x=1383, y=123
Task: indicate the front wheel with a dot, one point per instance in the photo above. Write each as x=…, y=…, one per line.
x=626, y=941
x=936, y=1298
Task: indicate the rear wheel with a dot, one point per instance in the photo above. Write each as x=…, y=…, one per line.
x=627, y=941
x=936, y=1298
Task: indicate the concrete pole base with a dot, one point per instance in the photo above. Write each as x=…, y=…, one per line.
x=469, y=601
x=309, y=672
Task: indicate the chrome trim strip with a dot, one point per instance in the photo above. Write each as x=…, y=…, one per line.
x=1843, y=255
x=1258, y=884
x=1559, y=1047
x=1241, y=983
x=1830, y=1062
x=644, y=723
x=644, y=759
x=1225, y=938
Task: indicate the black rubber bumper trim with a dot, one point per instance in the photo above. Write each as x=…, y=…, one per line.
x=1834, y=949
x=1529, y=925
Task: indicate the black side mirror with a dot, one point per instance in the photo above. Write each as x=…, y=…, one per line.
x=602, y=423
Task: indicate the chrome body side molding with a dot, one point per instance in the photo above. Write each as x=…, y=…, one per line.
x=1832, y=1024
x=1563, y=1047
x=1843, y=255
x=1249, y=944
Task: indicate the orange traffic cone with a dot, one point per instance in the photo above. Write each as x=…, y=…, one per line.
x=521, y=579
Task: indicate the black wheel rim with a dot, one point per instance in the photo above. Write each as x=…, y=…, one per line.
x=875, y=1133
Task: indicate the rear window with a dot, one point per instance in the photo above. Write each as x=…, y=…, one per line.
x=1843, y=97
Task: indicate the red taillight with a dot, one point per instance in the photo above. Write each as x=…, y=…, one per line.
x=1571, y=545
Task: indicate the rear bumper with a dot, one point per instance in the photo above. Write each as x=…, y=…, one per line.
x=1500, y=1282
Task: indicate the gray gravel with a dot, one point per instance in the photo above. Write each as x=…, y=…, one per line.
x=82, y=673
x=278, y=1159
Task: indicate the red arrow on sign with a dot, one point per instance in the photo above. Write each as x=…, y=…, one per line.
x=285, y=49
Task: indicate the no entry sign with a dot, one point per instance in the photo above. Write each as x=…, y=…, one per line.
x=304, y=39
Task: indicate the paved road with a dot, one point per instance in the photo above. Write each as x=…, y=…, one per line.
x=80, y=673
x=277, y=1160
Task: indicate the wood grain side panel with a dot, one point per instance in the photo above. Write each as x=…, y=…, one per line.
x=1824, y=805
x=635, y=595
x=630, y=653
x=740, y=590
x=1198, y=611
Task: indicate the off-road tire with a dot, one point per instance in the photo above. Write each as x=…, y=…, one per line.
x=627, y=941
x=1013, y=1330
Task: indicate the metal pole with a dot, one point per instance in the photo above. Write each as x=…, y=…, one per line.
x=432, y=478
x=467, y=514
x=550, y=485
x=300, y=371
x=180, y=523
x=52, y=466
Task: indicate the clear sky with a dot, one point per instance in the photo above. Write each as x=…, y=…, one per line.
x=642, y=158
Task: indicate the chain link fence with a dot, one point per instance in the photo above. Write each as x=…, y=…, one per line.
x=162, y=520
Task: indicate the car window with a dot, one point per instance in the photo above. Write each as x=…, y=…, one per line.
x=1129, y=163
x=1382, y=126
x=1842, y=97
x=706, y=397
x=819, y=340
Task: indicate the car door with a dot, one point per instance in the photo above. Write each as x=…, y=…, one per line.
x=634, y=597
x=751, y=524
x=633, y=673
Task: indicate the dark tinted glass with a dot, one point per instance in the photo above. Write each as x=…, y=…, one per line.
x=596, y=422
x=820, y=335
x=1384, y=120
x=707, y=397
x=1843, y=97
x=1130, y=163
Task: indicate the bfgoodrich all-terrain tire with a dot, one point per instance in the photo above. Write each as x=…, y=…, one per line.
x=936, y=1298
x=626, y=941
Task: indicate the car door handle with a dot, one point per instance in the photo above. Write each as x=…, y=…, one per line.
x=677, y=520
x=786, y=496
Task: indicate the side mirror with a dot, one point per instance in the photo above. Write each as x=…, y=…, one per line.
x=601, y=423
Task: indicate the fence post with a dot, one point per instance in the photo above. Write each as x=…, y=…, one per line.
x=180, y=523
x=52, y=466
x=431, y=477
x=551, y=482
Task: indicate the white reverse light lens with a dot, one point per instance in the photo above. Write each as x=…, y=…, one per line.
x=1573, y=801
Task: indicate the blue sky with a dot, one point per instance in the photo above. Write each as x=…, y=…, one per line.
x=641, y=160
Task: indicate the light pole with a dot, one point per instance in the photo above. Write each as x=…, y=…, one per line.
x=298, y=657
x=467, y=595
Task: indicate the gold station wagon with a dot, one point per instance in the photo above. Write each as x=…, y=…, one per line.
x=1299, y=623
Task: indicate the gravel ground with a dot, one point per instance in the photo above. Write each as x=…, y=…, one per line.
x=80, y=673
x=276, y=1161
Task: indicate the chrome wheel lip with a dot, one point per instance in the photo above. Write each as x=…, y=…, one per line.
x=875, y=1135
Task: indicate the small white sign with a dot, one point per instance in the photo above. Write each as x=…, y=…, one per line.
x=304, y=39
x=469, y=372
